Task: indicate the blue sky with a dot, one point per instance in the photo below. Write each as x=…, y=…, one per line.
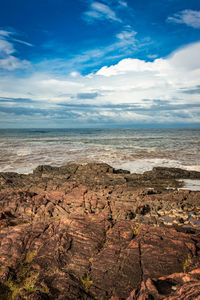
x=86, y=63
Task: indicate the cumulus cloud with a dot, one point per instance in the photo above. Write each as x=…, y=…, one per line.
x=131, y=91
x=100, y=11
x=186, y=58
x=188, y=17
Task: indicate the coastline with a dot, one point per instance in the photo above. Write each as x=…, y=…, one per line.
x=136, y=150
x=76, y=230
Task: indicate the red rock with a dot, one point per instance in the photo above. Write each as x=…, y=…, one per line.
x=91, y=232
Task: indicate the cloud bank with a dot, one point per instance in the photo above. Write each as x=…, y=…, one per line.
x=133, y=91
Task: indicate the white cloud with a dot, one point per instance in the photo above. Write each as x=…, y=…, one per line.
x=127, y=35
x=123, y=3
x=187, y=57
x=152, y=56
x=125, y=66
x=125, y=41
x=6, y=48
x=9, y=35
x=101, y=11
x=131, y=91
x=8, y=60
x=74, y=74
x=11, y=63
x=189, y=17
x=23, y=42
x=5, y=33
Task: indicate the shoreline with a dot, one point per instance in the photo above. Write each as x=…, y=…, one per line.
x=169, y=182
x=135, y=150
x=139, y=166
x=185, y=183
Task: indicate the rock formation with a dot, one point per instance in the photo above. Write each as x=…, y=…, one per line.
x=93, y=232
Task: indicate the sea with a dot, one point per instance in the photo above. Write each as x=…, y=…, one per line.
x=137, y=150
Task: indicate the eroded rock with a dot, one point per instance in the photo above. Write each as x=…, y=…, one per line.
x=93, y=232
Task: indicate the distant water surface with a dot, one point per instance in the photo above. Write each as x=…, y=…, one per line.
x=137, y=150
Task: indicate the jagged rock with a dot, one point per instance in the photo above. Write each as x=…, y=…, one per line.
x=93, y=232
x=164, y=172
x=90, y=257
x=176, y=286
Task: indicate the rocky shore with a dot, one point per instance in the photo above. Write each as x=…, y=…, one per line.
x=93, y=232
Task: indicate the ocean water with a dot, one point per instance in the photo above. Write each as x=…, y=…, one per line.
x=136, y=150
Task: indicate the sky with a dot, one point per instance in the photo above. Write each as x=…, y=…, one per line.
x=86, y=63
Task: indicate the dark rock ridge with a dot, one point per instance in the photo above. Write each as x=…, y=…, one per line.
x=93, y=232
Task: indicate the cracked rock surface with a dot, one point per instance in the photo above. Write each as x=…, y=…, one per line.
x=93, y=232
